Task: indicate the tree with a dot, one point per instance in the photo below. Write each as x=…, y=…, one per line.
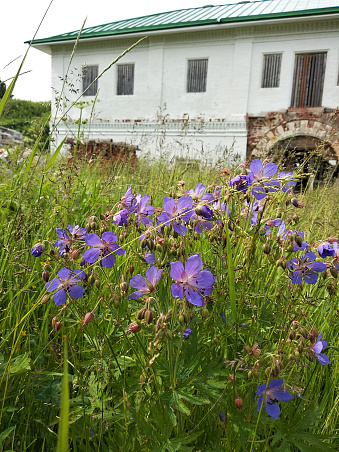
x=2, y=89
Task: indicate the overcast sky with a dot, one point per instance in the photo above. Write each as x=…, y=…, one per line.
x=20, y=19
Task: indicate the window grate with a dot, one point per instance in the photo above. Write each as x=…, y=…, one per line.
x=197, y=76
x=308, y=84
x=125, y=83
x=89, y=74
x=271, y=71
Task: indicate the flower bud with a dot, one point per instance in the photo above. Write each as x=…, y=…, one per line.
x=298, y=240
x=239, y=403
x=57, y=326
x=159, y=248
x=116, y=303
x=75, y=254
x=143, y=243
x=204, y=313
x=91, y=280
x=291, y=334
x=38, y=249
x=93, y=226
x=88, y=318
x=141, y=313
x=334, y=272
x=312, y=337
x=303, y=331
x=45, y=275
x=181, y=319
x=88, y=227
x=149, y=316
x=332, y=240
x=266, y=248
x=133, y=327
x=44, y=299
x=131, y=269
x=275, y=371
x=124, y=286
x=52, y=252
x=97, y=283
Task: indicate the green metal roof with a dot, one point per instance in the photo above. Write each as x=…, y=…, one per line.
x=206, y=15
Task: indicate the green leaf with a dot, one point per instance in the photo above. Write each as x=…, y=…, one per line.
x=5, y=433
x=180, y=404
x=231, y=278
x=195, y=400
x=17, y=365
x=55, y=155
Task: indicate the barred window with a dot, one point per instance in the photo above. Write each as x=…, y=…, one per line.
x=197, y=76
x=89, y=74
x=125, y=79
x=271, y=71
x=308, y=80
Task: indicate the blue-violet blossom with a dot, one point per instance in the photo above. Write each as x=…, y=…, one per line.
x=66, y=283
x=305, y=268
x=145, y=285
x=272, y=395
x=316, y=350
x=104, y=246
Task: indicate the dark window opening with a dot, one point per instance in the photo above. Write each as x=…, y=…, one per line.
x=308, y=80
x=89, y=74
x=271, y=71
x=125, y=84
x=197, y=76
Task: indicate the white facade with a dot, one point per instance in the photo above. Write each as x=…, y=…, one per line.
x=160, y=116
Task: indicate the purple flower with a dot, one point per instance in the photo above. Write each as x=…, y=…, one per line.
x=275, y=223
x=191, y=281
x=177, y=213
x=316, y=350
x=104, y=247
x=66, y=284
x=145, y=286
x=37, y=249
x=142, y=211
x=261, y=176
x=120, y=218
x=199, y=195
x=287, y=181
x=126, y=200
x=64, y=243
x=306, y=268
x=325, y=250
x=77, y=232
x=272, y=395
x=150, y=258
x=187, y=333
x=241, y=182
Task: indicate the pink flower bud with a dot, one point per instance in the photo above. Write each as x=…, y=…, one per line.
x=88, y=318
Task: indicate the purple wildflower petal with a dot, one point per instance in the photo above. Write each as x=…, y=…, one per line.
x=282, y=396
x=310, y=277
x=151, y=275
x=193, y=296
x=297, y=277
x=92, y=255
x=108, y=261
x=53, y=285
x=193, y=265
x=136, y=295
x=187, y=333
x=65, y=273
x=179, y=228
x=138, y=282
x=269, y=169
x=169, y=205
x=317, y=266
x=92, y=239
x=177, y=290
x=150, y=258
x=109, y=237
x=114, y=247
x=256, y=166
x=60, y=297
x=176, y=270
x=272, y=409
x=76, y=291
x=185, y=202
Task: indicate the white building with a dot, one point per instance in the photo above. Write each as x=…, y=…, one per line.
x=242, y=76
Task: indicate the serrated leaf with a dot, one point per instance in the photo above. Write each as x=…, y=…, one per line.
x=179, y=404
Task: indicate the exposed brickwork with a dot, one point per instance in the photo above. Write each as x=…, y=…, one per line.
x=105, y=150
x=264, y=132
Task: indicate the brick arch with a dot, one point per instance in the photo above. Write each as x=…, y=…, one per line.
x=304, y=127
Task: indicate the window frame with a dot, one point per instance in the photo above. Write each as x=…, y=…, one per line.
x=271, y=70
x=123, y=88
x=192, y=84
x=306, y=91
x=93, y=90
